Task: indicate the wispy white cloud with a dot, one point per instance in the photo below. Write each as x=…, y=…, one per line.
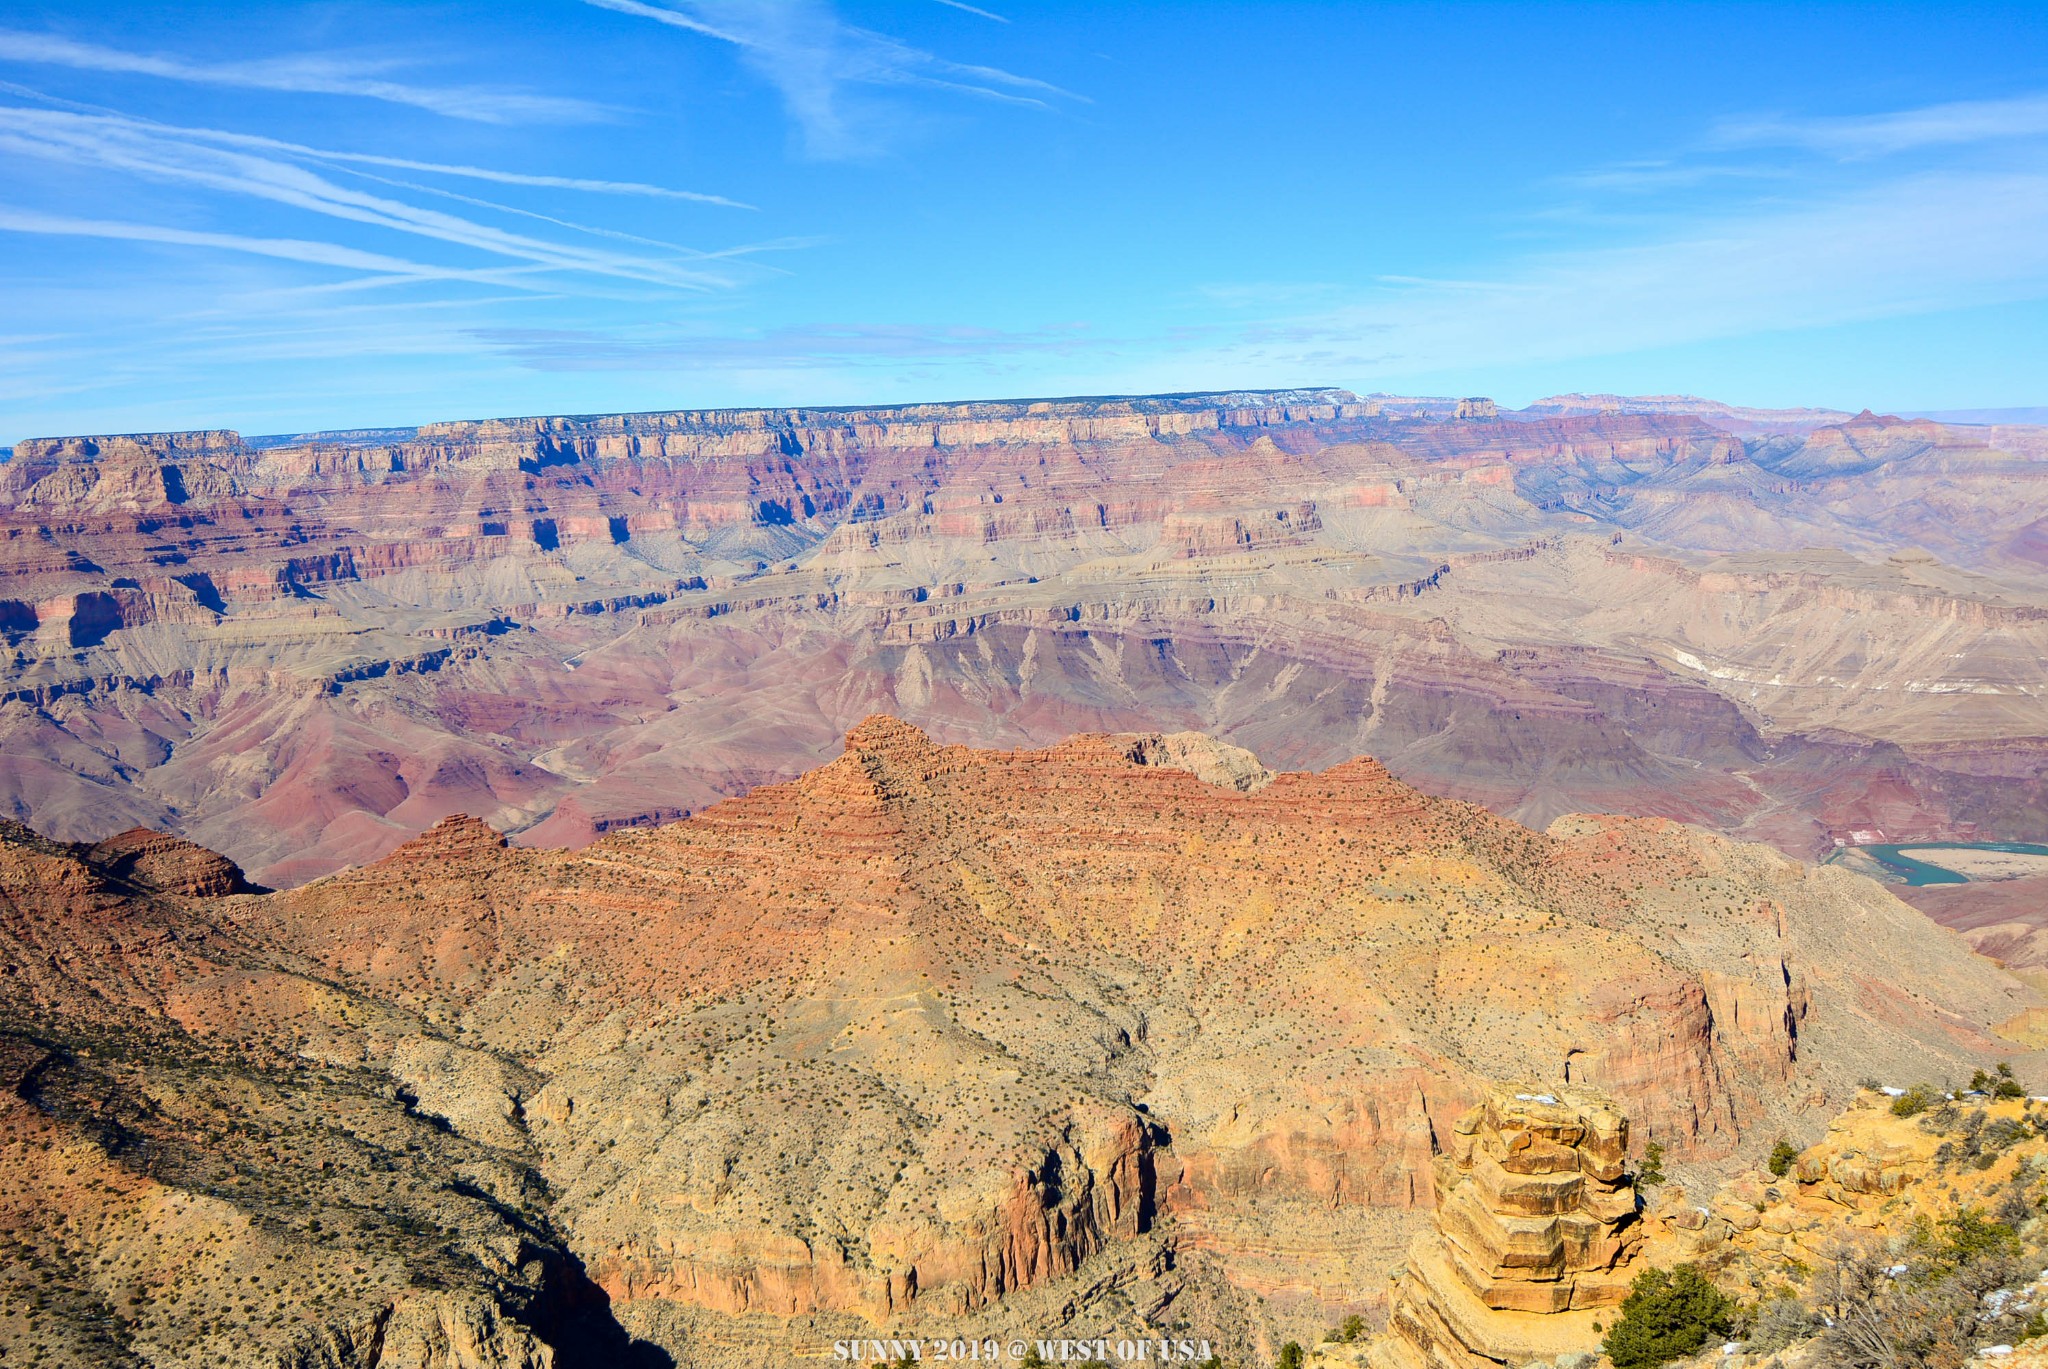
x=304, y=73
x=478, y=173
x=589, y=230
x=474, y=173
x=1895, y=247
x=1904, y=246
x=973, y=9
x=810, y=55
x=155, y=153
x=1869, y=135
x=1660, y=176
x=325, y=154
x=287, y=249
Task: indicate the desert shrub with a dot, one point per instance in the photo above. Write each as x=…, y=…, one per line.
x=1927, y=1310
x=1999, y=1084
x=1651, y=1170
x=1967, y=1240
x=1914, y=1101
x=1887, y=1322
x=1352, y=1331
x=1782, y=1156
x=2001, y=1134
x=1669, y=1313
x=1290, y=1355
x=1778, y=1323
x=1944, y=1118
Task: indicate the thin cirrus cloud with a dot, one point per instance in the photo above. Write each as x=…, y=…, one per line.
x=285, y=249
x=973, y=9
x=1871, y=135
x=305, y=74
x=808, y=348
x=811, y=57
x=322, y=154
x=1904, y=246
x=156, y=153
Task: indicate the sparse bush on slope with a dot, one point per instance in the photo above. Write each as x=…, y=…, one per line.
x=1668, y=1313
x=1927, y=1311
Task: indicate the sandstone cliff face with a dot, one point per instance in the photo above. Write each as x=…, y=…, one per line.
x=304, y=654
x=1536, y=1227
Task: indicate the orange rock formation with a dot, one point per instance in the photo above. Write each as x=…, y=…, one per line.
x=1536, y=1227
x=1126, y=1026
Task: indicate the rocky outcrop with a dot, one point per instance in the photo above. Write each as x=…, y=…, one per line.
x=444, y=1331
x=1870, y=1177
x=1536, y=1228
x=151, y=862
x=1209, y=760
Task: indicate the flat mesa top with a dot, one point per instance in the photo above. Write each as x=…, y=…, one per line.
x=1054, y=407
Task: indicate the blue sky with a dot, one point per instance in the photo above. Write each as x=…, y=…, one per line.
x=281, y=217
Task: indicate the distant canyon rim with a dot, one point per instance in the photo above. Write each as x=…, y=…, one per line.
x=1792, y=626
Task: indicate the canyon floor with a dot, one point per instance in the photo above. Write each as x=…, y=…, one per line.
x=1129, y=1034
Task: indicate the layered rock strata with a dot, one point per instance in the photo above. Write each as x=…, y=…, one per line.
x=927, y=1036
x=1536, y=1227
x=306, y=652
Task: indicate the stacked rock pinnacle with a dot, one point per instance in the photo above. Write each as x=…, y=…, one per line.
x=1536, y=1229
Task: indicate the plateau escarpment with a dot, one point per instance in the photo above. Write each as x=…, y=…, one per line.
x=1123, y=1034
x=304, y=653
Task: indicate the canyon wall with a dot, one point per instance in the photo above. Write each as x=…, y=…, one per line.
x=932, y=1039
x=305, y=652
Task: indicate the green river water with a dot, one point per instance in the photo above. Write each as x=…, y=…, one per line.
x=1919, y=872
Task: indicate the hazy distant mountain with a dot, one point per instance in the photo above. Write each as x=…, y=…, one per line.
x=2036, y=414
x=1735, y=417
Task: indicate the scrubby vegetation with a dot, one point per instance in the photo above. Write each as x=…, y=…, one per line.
x=1928, y=1306
x=1667, y=1314
x=1782, y=1156
x=2000, y=1084
x=1779, y=1322
x=1915, y=1100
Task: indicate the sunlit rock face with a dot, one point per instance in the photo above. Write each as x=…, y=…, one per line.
x=929, y=1037
x=1536, y=1230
